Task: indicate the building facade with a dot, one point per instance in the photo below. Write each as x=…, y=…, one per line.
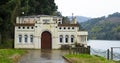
x=46, y=32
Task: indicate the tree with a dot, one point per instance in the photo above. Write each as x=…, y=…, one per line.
x=10, y=9
x=66, y=20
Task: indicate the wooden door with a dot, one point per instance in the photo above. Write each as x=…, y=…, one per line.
x=46, y=40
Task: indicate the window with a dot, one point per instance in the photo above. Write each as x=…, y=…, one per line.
x=66, y=38
x=64, y=27
x=72, y=27
x=19, y=27
x=31, y=38
x=68, y=27
x=72, y=38
x=59, y=27
x=20, y=38
x=32, y=27
x=25, y=38
x=27, y=27
x=59, y=22
x=23, y=27
x=61, y=38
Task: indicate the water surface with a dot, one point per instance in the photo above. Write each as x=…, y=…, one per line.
x=99, y=47
x=103, y=44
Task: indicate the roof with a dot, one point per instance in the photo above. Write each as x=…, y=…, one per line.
x=30, y=24
x=32, y=16
x=75, y=25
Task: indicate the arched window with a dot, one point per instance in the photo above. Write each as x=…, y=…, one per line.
x=61, y=38
x=72, y=38
x=66, y=38
x=26, y=38
x=31, y=38
x=20, y=38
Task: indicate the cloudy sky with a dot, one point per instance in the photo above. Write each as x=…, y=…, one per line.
x=88, y=8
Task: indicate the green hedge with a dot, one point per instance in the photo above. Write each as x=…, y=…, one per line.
x=7, y=44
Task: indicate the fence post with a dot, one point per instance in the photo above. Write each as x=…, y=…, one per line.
x=70, y=49
x=88, y=47
x=108, y=54
x=111, y=53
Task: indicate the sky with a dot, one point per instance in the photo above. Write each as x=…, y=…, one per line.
x=88, y=8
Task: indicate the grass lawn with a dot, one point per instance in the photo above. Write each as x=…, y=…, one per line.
x=10, y=55
x=85, y=58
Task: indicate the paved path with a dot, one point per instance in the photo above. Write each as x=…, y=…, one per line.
x=43, y=56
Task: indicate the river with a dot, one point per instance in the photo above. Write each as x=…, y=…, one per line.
x=99, y=47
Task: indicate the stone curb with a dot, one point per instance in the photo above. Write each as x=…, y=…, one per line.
x=67, y=59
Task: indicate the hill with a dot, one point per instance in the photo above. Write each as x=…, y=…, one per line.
x=80, y=18
x=103, y=28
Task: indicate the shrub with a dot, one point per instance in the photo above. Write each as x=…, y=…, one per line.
x=7, y=44
x=65, y=47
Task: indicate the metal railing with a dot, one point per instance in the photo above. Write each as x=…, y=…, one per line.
x=109, y=53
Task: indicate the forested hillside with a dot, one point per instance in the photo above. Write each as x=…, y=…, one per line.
x=10, y=9
x=80, y=18
x=104, y=28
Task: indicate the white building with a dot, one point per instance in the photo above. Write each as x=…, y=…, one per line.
x=46, y=32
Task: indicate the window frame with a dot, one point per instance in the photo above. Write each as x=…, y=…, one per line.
x=61, y=38
x=31, y=38
x=72, y=38
x=32, y=27
x=25, y=38
x=66, y=38
x=68, y=27
x=20, y=38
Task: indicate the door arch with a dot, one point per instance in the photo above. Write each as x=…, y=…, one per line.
x=46, y=40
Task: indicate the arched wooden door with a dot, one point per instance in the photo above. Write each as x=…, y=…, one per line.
x=46, y=40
